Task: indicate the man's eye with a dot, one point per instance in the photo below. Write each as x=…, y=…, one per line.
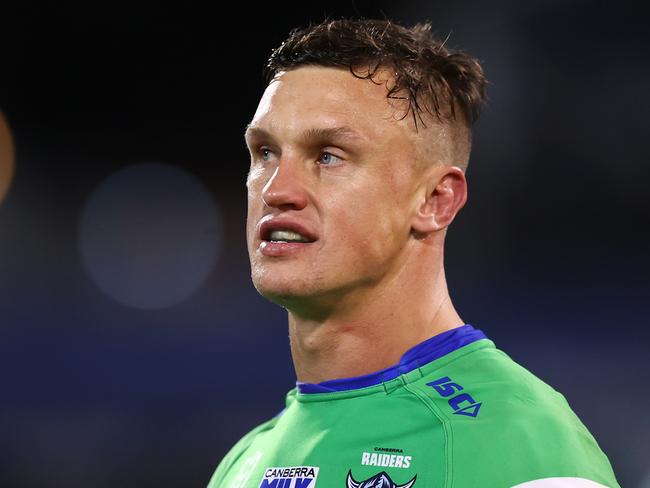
x=266, y=154
x=328, y=158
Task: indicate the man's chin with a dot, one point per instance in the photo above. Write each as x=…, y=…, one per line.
x=292, y=295
x=281, y=293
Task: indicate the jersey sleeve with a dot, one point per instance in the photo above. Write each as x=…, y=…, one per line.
x=560, y=483
x=522, y=441
x=504, y=427
x=223, y=469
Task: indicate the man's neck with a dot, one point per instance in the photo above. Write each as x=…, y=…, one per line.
x=372, y=335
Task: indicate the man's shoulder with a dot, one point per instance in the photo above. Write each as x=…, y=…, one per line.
x=482, y=374
x=496, y=411
x=485, y=389
x=238, y=450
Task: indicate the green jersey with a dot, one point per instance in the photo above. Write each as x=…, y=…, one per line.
x=456, y=412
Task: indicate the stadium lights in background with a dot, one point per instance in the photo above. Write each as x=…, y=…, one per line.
x=7, y=157
x=150, y=235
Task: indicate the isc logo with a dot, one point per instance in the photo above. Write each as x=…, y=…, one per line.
x=446, y=388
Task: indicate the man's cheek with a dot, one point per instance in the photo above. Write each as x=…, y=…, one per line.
x=255, y=180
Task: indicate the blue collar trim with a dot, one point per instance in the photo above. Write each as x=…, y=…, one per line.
x=419, y=355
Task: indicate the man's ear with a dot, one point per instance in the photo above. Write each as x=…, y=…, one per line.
x=446, y=193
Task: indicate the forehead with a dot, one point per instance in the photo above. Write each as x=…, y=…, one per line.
x=315, y=97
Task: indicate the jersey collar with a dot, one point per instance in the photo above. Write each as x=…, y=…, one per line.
x=419, y=355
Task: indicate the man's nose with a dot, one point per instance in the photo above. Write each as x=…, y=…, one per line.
x=286, y=188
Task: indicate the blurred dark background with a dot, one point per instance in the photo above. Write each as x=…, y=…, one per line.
x=134, y=351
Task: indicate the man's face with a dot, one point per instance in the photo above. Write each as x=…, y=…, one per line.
x=331, y=189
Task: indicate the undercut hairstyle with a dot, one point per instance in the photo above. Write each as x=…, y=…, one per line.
x=432, y=78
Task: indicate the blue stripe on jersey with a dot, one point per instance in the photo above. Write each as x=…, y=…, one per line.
x=419, y=355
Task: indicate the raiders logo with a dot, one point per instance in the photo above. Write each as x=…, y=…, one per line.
x=380, y=480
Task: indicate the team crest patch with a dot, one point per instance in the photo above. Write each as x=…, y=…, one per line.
x=290, y=477
x=380, y=480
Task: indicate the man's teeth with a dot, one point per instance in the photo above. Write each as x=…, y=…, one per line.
x=287, y=236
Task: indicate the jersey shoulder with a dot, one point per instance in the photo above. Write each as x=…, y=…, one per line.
x=507, y=424
x=238, y=450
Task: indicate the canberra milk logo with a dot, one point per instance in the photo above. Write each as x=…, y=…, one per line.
x=291, y=477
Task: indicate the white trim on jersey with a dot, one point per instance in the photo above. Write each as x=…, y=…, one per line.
x=560, y=483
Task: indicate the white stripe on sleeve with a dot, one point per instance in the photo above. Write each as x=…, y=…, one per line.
x=560, y=483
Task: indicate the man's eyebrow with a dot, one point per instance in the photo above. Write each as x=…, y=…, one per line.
x=254, y=131
x=326, y=133
x=311, y=134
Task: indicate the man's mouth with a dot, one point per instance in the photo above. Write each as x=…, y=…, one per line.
x=282, y=237
x=287, y=236
x=285, y=230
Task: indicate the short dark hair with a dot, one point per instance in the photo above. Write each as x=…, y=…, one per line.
x=430, y=76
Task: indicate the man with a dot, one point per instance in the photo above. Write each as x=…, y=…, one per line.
x=358, y=148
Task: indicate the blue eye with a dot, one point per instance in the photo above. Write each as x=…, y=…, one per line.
x=328, y=158
x=266, y=154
